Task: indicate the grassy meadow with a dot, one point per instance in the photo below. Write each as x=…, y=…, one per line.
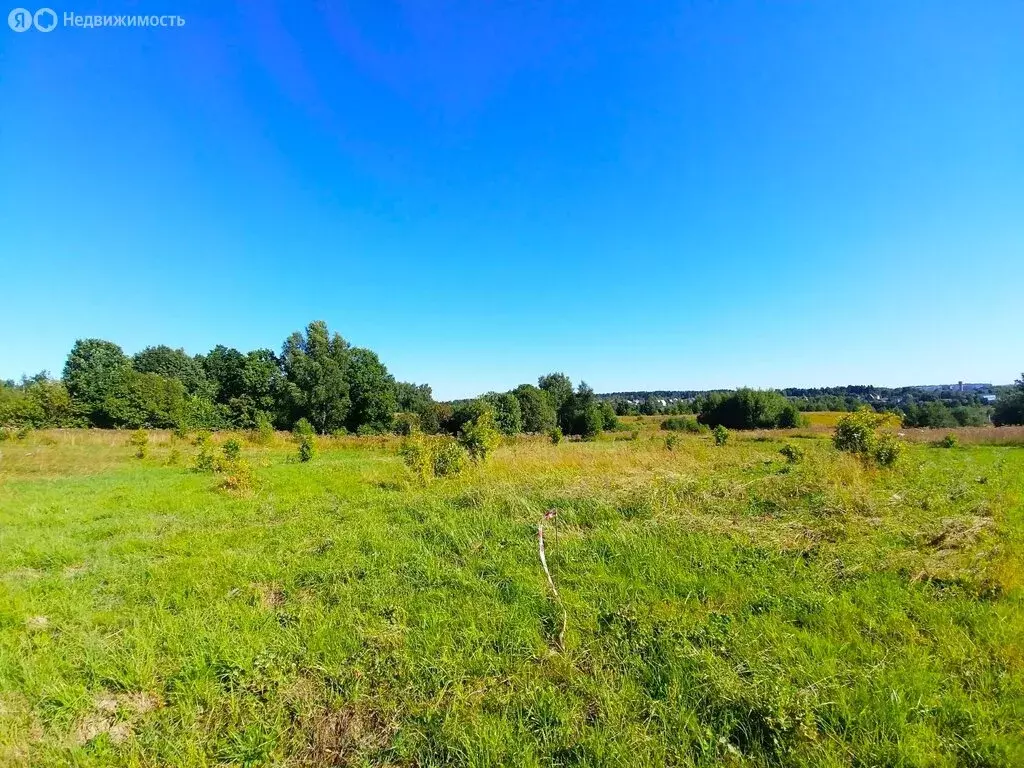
x=720, y=605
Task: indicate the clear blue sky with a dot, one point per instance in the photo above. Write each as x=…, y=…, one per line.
x=644, y=195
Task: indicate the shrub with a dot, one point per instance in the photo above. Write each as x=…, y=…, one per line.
x=681, y=424
x=556, y=435
x=303, y=428
x=480, y=436
x=307, y=447
x=140, y=441
x=416, y=454
x=949, y=441
x=721, y=434
x=232, y=450
x=449, y=458
x=406, y=423
x=204, y=460
x=263, y=432
x=670, y=442
x=202, y=438
x=428, y=457
x=237, y=476
x=888, y=450
x=794, y=454
x=858, y=433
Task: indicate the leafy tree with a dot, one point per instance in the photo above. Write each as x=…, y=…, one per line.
x=145, y=400
x=1009, y=408
x=371, y=392
x=315, y=366
x=418, y=399
x=559, y=390
x=931, y=414
x=462, y=413
x=93, y=368
x=224, y=368
x=651, y=406
x=480, y=436
x=581, y=414
x=747, y=409
x=173, y=364
x=538, y=413
x=262, y=390
x=609, y=419
x=508, y=413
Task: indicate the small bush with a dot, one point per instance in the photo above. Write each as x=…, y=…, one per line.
x=416, y=454
x=858, y=433
x=173, y=457
x=681, y=424
x=670, y=442
x=480, y=436
x=204, y=460
x=721, y=434
x=237, y=476
x=303, y=428
x=307, y=447
x=232, y=450
x=794, y=454
x=140, y=441
x=888, y=450
x=263, y=432
x=556, y=435
x=949, y=441
x=202, y=438
x=430, y=457
x=449, y=458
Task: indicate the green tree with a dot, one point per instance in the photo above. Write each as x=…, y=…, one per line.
x=419, y=400
x=145, y=400
x=262, y=390
x=480, y=436
x=559, y=390
x=173, y=364
x=747, y=409
x=51, y=402
x=315, y=368
x=609, y=419
x=1009, y=408
x=535, y=406
x=224, y=368
x=371, y=392
x=93, y=368
x=508, y=414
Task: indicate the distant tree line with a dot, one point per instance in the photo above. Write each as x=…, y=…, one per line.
x=317, y=378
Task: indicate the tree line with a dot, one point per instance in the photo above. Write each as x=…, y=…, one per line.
x=317, y=377
x=338, y=388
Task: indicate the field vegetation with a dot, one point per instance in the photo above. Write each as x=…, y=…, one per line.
x=771, y=600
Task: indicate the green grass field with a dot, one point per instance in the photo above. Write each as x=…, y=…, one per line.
x=721, y=606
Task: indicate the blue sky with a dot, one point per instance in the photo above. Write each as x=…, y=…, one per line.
x=644, y=195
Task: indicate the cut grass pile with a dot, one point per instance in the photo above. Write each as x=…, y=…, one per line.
x=724, y=606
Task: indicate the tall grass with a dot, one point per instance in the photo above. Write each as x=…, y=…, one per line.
x=722, y=606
